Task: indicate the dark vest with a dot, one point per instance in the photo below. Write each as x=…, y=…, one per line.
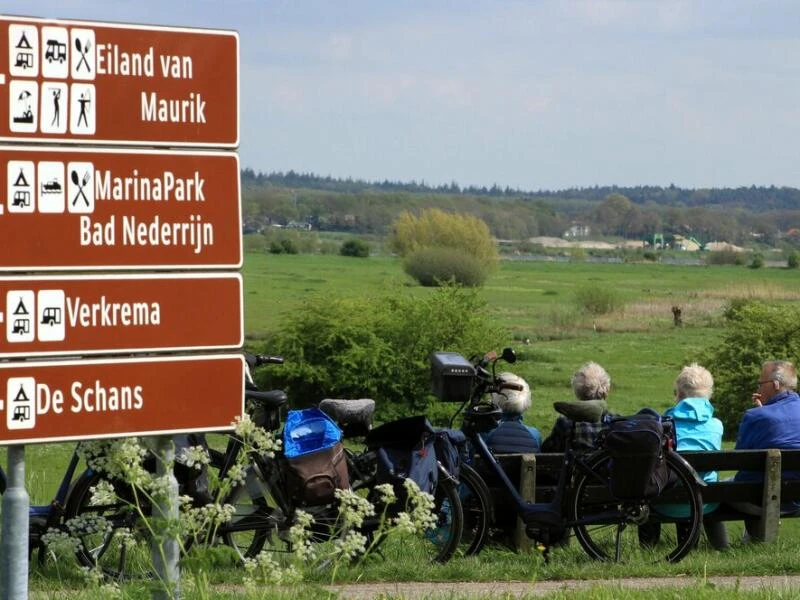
x=512, y=437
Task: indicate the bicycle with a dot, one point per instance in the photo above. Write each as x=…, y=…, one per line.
x=265, y=509
x=605, y=526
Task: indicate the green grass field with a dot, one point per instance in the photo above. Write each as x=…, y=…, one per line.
x=639, y=346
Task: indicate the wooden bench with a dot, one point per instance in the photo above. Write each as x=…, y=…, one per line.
x=537, y=473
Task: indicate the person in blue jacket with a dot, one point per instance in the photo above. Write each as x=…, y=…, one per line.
x=512, y=435
x=696, y=429
x=773, y=422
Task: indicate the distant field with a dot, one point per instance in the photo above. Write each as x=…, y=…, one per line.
x=639, y=345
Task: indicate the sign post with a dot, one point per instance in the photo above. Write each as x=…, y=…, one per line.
x=117, y=209
x=14, y=543
x=77, y=82
x=122, y=313
x=63, y=207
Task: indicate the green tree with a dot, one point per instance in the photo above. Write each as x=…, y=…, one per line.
x=450, y=232
x=757, y=332
x=434, y=227
x=613, y=213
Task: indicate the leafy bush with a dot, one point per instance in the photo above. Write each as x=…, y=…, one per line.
x=436, y=228
x=436, y=265
x=377, y=347
x=793, y=260
x=723, y=257
x=757, y=332
x=283, y=246
x=757, y=262
x=597, y=300
x=355, y=247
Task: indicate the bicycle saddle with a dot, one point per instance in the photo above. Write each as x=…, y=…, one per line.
x=271, y=399
x=354, y=416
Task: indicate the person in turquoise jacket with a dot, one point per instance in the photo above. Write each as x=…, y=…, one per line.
x=696, y=429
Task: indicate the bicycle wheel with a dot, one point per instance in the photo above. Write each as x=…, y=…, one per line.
x=666, y=527
x=257, y=517
x=111, y=534
x=439, y=542
x=476, y=503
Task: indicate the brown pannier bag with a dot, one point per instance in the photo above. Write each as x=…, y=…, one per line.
x=313, y=478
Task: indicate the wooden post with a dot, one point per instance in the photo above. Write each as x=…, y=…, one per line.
x=771, y=499
x=527, y=489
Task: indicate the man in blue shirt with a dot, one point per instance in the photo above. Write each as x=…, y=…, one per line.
x=774, y=422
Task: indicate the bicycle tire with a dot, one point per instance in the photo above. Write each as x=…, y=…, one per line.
x=478, y=509
x=608, y=540
x=121, y=548
x=438, y=543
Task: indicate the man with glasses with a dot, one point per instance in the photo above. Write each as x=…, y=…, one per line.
x=773, y=422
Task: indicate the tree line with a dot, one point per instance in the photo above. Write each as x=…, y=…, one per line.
x=769, y=215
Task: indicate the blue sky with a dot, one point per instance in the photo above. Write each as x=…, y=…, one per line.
x=529, y=94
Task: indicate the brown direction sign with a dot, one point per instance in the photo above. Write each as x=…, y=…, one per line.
x=118, y=209
x=101, y=83
x=89, y=399
x=85, y=314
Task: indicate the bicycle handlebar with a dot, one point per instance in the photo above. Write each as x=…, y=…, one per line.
x=264, y=359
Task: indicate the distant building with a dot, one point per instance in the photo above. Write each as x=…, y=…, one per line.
x=577, y=230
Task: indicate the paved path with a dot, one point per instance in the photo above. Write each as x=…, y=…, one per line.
x=449, y=589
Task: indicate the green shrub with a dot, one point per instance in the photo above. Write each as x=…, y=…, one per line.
x=723, y=257
x=437, y=228
x=793, y=260
x=757, y=262
x=355, y=247
x=377, y=347
x=734, y=308
x=434, y=266
x=758, y=332
x=597, y=300
x=283, y=246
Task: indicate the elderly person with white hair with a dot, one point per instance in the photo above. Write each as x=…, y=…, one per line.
x=512, y=436
x=581, y=420
x=696, y=429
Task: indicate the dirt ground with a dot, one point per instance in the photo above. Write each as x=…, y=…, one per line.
x=519, y=589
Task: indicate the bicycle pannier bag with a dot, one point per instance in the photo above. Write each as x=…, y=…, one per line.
x=316, y=465
x=638, y=467
x=405, y=450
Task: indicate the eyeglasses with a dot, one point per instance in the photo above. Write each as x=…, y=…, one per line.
x=766, y=381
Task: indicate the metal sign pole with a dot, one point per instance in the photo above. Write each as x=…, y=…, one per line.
x=165, y=548
x=14, y=531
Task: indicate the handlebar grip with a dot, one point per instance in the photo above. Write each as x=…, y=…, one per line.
x=263, y=359
x=511, y=386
